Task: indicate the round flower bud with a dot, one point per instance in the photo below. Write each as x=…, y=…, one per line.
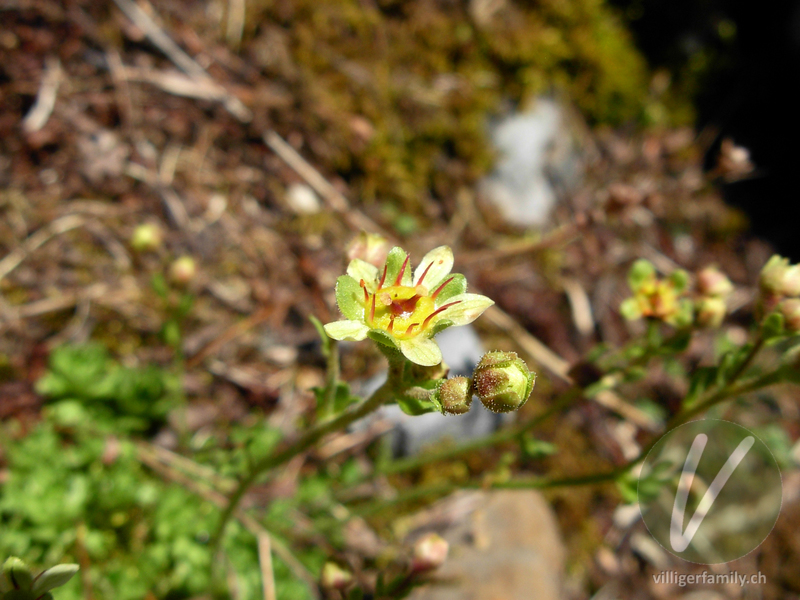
x=710, y=312
x=369, y=247
x=146, y=237
x=183, y=270
x=334, y=577
x=790, y=309
x=772, y=276
x=713, y=282
x=503, y=381
x=455, y=395
x=429, y=553
x=791, y=282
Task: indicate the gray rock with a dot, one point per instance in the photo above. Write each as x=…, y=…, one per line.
x=538, y=158
x=510, y=548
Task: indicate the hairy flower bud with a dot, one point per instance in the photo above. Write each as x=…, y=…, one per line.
x=713, y=282
x=429, y=553
x=790, y=309
x=503, y=381
x=334, y=577
x=710, y=312
x=455, y=395
x=183, y=270
x=772, y=276
x=146, y=237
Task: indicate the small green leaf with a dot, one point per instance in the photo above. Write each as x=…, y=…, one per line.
x=677, y=343
x=53, y=578
x=159, y=285
x=184, y=305
x=702, y=379
x=535, y=449
x=381, y=337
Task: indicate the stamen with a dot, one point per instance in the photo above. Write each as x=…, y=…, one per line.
x=411, y=327
x=372, y=311
x=441, y=287
x=402, y=270
x=366, y=293
x=391, y=324
x=425, y=272
x=437, y=311
x=383, y=277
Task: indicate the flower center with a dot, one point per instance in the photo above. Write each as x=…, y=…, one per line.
x=398, y=309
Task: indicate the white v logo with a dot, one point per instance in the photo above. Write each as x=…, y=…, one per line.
x=679, y=539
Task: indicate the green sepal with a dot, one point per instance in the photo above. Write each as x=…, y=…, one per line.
x=418, y=406
x=394, y=262
x=641, y=273
x=629, y=309
x=342, y=398
x=679, y=280
x=440, y=326
x=381, y=337
x=348, y=291
x=457, y=285
x=53, y=577
x=772, y=327
x=18, y=573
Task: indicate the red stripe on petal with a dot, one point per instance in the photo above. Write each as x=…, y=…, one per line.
x=425, y=272
x=402, y=270
x=437, y=311
x=441, y=287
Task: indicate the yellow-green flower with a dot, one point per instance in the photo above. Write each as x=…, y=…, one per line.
x=394, y=308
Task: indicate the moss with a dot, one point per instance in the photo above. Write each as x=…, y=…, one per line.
x=395, y=96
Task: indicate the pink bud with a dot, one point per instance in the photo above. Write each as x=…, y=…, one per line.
x=430, y=552
x=334, y=577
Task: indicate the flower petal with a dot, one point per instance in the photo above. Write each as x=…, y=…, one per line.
x=348, y=294
x=360, y=269
x=352, y=331
x=421, y=350
x=453, y=285
x=434, y=267
x=465, y=308
x=397, y=262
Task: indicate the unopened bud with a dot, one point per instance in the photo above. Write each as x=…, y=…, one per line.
x=790, y=309
x=503, y=381
x=334, y=577
x=455, y=395
x=146, y=237
x=369, y=247
x=183, y=270
x=710, y=312
x=791, y=282
x=772, y=276
x=713, y=282
x=430, y=552
x=17, y=574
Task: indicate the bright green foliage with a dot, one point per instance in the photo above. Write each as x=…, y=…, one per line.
x=86, y=374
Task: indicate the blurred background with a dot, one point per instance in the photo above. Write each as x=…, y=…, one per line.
x=180, y=182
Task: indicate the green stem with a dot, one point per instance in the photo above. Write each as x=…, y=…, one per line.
x=414, y=462
x=381, y=396
x=332, y=378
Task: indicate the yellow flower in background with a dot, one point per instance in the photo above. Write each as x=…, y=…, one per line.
x=394, y=308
